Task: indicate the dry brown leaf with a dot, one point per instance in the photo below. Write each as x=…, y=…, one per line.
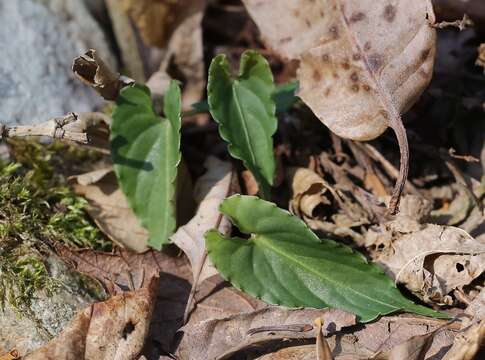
x=362, y=63
x=93, y=71
x=110, y=211
x=430, y=260
x=210, y=190
x=157, y=19
x=124, y=270
x=221, y=338
x=114, y=329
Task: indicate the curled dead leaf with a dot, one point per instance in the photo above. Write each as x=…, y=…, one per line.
x=430, y=260
x=309, y=192
x=323, y=207
x=93, y=71
x=362, y=63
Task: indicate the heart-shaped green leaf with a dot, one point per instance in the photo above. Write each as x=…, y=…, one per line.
x=245, y=111
x=146, y=154
x=285, y=263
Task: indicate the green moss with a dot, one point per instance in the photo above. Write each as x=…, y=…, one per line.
x=37, y=210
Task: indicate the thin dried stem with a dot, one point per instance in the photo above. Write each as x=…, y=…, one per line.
x=459, y=24
x=72, y=126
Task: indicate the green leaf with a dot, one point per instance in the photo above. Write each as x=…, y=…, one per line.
x=146, y=154
x=245, y=111
x=285, y=96
x=285, y=263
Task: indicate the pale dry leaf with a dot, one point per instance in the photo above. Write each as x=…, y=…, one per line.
x=114, y=329
x=126, y=39
x=467, y=343
x=210, y=190
x=91, y=177
x=93, y=71
x=110, y=211
x=362, y=63
x=457, y=204
x=430, y=260
x=386, y=337
x=221, y=338
x=476, y=308
x=387, y=333
x=414, y=348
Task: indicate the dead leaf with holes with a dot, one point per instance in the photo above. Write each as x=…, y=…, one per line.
x=113, y=329
x=362, y=62
x=430, y=260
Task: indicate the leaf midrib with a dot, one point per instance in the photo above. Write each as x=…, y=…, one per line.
x=263, y=241
x=169, y=212
x=244, y=125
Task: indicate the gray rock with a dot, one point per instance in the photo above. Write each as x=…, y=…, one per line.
x=48, y=313
x=38, y=41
